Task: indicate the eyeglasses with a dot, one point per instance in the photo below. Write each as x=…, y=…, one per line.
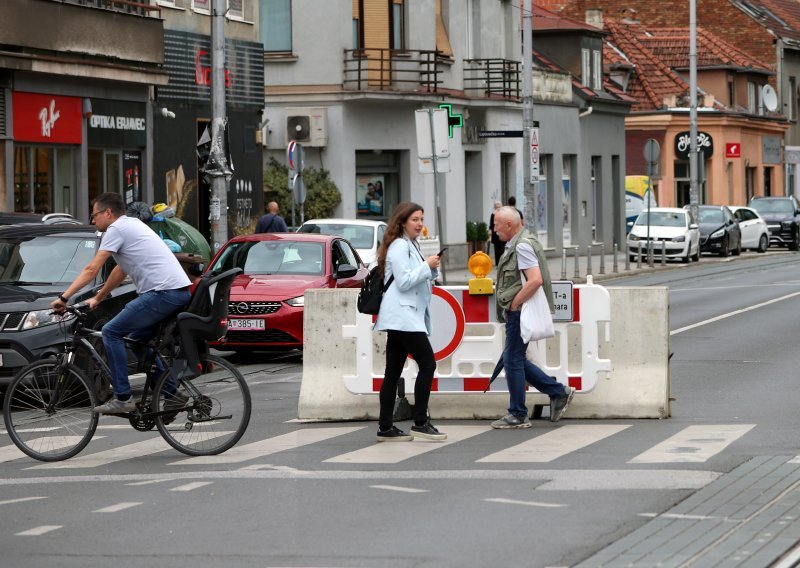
x=95, y=214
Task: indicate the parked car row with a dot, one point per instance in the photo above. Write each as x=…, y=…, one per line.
x=718, y=229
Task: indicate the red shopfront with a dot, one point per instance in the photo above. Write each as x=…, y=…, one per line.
x=47, y=135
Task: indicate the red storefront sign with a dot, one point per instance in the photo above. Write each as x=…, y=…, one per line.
x=50, y=119
x=733, y=150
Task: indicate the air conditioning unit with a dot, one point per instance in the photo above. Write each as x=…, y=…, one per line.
x=309, y=126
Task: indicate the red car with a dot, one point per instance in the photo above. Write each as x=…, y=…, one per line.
x=266, y=302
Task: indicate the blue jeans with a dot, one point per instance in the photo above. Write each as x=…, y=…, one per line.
x=138, y=320
x=519, y=370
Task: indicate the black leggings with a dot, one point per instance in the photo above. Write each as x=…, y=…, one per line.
x=399, y=345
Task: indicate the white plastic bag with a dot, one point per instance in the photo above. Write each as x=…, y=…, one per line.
x=535, y=319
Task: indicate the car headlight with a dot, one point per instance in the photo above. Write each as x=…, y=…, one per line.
x=717, y=234
x=633, y=238
x=786, y=224
x=679, y=239
x=43, y=317
x=297, y=302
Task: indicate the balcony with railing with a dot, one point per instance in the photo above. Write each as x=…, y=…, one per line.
x=140, y=7
x=492, y=78
x=391, y=70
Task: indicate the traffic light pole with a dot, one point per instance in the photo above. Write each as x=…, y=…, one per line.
x=219, y=171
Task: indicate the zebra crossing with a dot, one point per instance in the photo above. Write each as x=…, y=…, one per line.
x=692, y=444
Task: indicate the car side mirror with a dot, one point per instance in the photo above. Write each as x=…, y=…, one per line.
x=346, y=271
x=196, y=269
x=630, y=223
x=693, y=226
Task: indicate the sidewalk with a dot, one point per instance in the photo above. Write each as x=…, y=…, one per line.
x=601, y=267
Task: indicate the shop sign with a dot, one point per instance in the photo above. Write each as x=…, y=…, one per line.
x=48, y=119
x=187, y=59
x=705, y=144
x=733, y=150
x=117, y=124
x=771, y=150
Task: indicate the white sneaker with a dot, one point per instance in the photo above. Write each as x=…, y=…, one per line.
x=116, y=406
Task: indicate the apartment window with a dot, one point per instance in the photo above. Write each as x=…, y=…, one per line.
x=792, y=111
x=202, y=5
x=276, y=25
x=398, y=26
x=751, y=96
x=597, y=70
x=586, y=67
x=236, y=9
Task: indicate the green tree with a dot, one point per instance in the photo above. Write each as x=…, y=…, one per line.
x=322, y=195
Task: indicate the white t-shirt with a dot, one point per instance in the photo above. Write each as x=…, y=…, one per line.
x=142, y=255
x=526, y=257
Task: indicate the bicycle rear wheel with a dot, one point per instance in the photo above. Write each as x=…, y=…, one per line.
x=206, y=415
x=48, y=411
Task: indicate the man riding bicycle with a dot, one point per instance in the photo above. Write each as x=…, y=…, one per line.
x=161, y=283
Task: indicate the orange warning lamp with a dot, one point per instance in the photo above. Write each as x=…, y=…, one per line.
x=480, y=265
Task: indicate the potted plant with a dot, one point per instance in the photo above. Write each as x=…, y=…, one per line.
x=477, y=235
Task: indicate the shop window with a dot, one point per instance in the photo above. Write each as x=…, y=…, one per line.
x=276, y=25
x=377, y=183
x=33, y=179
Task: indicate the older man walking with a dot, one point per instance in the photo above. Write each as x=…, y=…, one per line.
x=523, y=255
x=272, y=222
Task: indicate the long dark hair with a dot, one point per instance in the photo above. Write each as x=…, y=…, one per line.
x=394, y=230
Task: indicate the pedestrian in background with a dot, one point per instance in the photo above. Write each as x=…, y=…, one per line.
x=512, y=202
x=497, y=243
x=272, y=222
x=405, y=316
x=524, y=254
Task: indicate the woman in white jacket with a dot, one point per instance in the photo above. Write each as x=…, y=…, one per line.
x=405, y=316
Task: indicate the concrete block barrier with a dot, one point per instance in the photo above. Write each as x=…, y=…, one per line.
x=343, y=359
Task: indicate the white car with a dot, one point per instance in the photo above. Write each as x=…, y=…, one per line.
x=364, y=235
x=755, y=233
x=671, y=229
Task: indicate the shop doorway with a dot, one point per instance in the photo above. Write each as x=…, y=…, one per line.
x=44, y=179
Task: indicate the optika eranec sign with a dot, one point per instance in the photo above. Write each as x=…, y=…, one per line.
x=117, y=122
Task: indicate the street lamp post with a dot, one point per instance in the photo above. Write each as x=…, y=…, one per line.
x=694, y=181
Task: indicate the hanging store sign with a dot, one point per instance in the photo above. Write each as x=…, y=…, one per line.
x=48, y=119
x=705, y=145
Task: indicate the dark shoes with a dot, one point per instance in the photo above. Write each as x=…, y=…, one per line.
x=559, y=405
x=428, y=431
x=393, y=434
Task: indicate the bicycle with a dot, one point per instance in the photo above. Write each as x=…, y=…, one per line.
x=200, y=403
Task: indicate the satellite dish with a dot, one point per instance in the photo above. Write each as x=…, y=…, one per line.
x=769, y=97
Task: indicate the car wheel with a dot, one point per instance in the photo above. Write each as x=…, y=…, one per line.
x=738, y=250
x=795, y=244
x=725, y=250
x=763, y=243
x=688, y=258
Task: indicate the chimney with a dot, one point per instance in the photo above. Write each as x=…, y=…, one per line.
x=594, y=17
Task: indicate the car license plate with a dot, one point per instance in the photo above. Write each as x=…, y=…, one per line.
x=246, y=324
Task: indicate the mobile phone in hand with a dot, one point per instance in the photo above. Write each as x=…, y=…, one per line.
x=441, y=252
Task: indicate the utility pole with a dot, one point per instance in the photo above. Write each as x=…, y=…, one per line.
x=218, y=169
x=694, y=158
x=527, y=113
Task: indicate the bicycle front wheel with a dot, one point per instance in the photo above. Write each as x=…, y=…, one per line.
x=48, y=411
x=205, y=415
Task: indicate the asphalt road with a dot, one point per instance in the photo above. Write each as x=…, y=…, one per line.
x=314, y=495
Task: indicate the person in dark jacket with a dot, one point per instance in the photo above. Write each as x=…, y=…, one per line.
x=272, y=222
x=498, y=244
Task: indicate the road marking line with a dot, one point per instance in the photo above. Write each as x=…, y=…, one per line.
x=138, y=449
x=398, y=488
x=528, y=503
x=694, y=444
x=118, y=507
x=273, y=445
x=12, y=452
x=733, y=313
x=38, y=531
x=192, y=486
x=555, y=444
x=395, y=452
x=21, y=500
x=148, y=482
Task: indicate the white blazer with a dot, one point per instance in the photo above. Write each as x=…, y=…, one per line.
x=406, y=303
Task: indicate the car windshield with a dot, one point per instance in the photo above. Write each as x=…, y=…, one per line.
x=44, y=260
x=663, y=219
x=769, y=206
x=360, y=236
x=273, y=257
x=711, y=215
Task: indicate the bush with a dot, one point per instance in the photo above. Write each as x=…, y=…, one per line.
x=322, y=195
x=482, y=231
x=477, y=231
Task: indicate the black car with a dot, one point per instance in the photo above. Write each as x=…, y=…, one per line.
x=719, y=230
x=18, y=218
x=782, y=215
x=38, y=262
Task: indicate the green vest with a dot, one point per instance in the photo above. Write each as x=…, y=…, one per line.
x=509, y=279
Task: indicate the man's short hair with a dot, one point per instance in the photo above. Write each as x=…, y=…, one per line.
x=111, y=201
